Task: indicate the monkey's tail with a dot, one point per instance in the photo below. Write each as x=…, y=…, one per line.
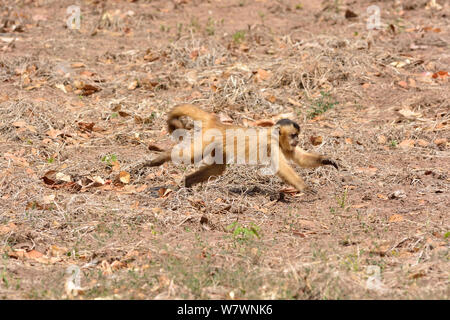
x=187, y=110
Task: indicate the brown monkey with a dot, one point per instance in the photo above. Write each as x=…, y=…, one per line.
x=283, y=136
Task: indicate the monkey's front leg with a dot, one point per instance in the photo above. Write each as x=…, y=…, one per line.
x=288, y=175
x=311, y=160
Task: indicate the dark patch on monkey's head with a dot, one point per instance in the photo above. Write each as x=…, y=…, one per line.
x=288, y=131
x=286, y=122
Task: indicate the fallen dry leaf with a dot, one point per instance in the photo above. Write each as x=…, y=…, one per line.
x=396, y=218
x=19, y=124
x=124, y=177
x=77, y=65
x=349, y=14
x=124, y=114
x=398, y=194
x=84, y=89
x=417, y=275
x=406, y=144
x=115, y=166
x=55, y=251
x=4, y=229
x=48, y=199
x=271, y=98
x=53, y=133
x=422, y=143
x=89, y=89
x=132, y=85
x=316, y=140
x=96, y=181
x=86, y=126
x=382, y=196
x=116, y=265
x=87, y=73
x=105, y=266
x=440, y=142
x=440, y=75
x=194, y=55
x=16, y=159
x=49, y=177
x=295, y=103
x=33, y=254
x=382, y=139
x=262, y=75
x=411, y=115
x=164, y=192
x=61, y=87
x=63, y=177
x=403, y=84
x=337, y=133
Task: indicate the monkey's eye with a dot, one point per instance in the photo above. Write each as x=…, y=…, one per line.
x=294, y=135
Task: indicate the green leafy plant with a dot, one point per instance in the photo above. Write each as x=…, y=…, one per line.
x=195, y=25
x=241, y=233
x=239, y=36
x=164, y=28
x=210, y=27
x=352, y=262
x=179, y=29
x=109, y=159
x=262, y=16
x=343, y=199
x=4, y=278
x=322, y=104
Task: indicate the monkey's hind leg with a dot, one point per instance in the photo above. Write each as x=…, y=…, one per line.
x=204, y=173
x=288, y=175
x=159, y=160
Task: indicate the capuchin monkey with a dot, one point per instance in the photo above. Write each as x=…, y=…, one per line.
x=283, y=136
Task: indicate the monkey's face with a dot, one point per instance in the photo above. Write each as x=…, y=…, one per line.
x=289, y=131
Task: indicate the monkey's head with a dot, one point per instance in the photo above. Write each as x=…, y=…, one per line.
x=288, y=131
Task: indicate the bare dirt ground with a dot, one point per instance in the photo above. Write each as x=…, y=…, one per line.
x=79, y=108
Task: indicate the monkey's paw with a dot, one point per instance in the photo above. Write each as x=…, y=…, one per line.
x=330, y=162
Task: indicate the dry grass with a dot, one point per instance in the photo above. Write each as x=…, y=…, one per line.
x=237, y=236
